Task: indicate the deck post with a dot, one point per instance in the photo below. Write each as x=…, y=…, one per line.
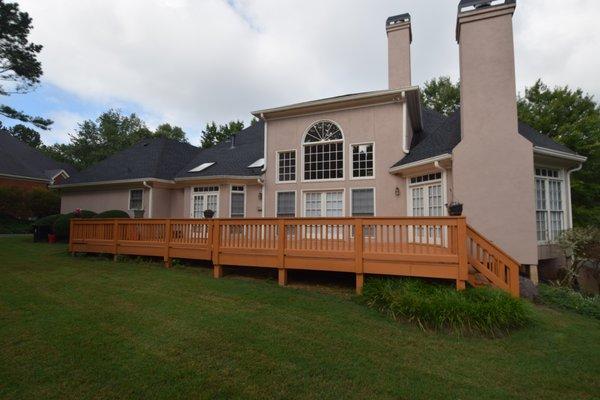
x=282, y=273
x=70, y=236
x=167, y=259
x=463, y=265
x=216, y=235
x=115, y=239
x=358, y=255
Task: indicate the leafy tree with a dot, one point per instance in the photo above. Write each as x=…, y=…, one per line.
x=572, y=118
x=213, y=133
x=26, y=135
x=20, y=70
x=441, y=95
x=111, y=132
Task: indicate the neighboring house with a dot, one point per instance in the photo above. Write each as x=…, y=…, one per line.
x=25, y=167
x=377, y=153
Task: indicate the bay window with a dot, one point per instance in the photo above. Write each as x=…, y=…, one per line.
x=549, y=204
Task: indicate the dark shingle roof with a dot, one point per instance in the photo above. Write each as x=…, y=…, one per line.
x=441, y=134
x=158, y=158
x=228, y=161
x=17, y=158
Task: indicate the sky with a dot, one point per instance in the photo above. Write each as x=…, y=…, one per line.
x=188, y=62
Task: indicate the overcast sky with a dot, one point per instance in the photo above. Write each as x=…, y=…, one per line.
x=188, y=62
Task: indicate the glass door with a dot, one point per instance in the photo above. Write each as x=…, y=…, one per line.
x=204, y=201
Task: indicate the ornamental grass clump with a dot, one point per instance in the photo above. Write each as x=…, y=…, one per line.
x=475, y=311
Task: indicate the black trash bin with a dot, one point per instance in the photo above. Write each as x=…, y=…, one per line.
x=40, y=233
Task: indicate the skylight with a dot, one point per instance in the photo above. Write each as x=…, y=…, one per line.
x=201, y=167
x=258, y=163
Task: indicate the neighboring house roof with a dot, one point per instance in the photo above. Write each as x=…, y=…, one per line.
x=18, y=159
x=157, y=158
x=230, y=160
x=441, y=134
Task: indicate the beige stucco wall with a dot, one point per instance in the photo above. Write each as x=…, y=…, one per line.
x=177, y=203
x=161, y=203
x=493, y=164
x=380, y=124
x=99, y=200
x=399, y=56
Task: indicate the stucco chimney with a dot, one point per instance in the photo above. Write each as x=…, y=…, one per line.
x=399, y=35
x=493, y=164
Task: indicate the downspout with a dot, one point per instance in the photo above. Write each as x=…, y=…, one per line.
x=405, y=145
x=569, y=172
x=149, y=198
x=444, y=181
x=264, y=169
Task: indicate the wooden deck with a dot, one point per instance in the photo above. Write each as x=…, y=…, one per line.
x=431, y=247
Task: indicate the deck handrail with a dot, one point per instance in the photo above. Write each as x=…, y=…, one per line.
x=435, y=247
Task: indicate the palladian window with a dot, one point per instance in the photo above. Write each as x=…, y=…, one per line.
x=324, y=152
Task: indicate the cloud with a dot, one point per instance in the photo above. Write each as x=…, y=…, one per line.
x=189, y=61
x=65, y=123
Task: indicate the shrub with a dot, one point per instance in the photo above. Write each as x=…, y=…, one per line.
x=42, y=202
x=113, y=214
x=569, y=299
x=62, y=225
x=579, y=245
x=46, y=221
x=483, y=310
x=23, y=203
x=11, y=225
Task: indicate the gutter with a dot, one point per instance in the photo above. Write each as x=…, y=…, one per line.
x=99, y=183
x=149, y=198
x=420, y=162
x=209, y=177
x=559, y=154
x=29, y=178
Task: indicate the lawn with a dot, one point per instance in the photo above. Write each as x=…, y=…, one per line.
x=85, y=327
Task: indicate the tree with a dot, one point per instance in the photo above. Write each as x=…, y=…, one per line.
x=441, y=95
x=111, y=132
x=20, y=70
x=26, y=135
x=213, y=134
x=572, y=118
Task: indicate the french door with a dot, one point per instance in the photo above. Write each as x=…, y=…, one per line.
x=324, y=204
x=427, y=201
x=204, y=201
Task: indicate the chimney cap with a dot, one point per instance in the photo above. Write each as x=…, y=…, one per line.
x=476, y=4
x=397, y=19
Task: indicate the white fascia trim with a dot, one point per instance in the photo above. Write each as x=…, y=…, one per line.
x=26, y=178
x=201, y=178
x=559, y=154
x=421, y=162
x=405, y=144
x=140, y=180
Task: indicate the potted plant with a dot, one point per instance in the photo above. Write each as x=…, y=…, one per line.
x=209, y=214
x=455, y=208
x=138, y=213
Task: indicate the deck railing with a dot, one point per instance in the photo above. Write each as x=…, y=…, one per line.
x=430, y=247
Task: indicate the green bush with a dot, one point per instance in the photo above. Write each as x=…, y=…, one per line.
x=11, y=225
x=20, y=203
x=568, y=299
x=62, y=225
x=46, y=221
x=486, y=311
x=113, y=214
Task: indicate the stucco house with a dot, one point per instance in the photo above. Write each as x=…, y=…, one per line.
x=378, y=153
x=23, y=166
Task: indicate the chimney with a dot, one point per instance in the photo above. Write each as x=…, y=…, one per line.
x=399, y=35
x=493, y=164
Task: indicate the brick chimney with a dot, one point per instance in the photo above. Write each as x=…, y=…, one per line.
x=493, y=164
x=399, y=35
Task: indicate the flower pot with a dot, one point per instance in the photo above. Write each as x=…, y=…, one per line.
x=138, y=213
x=209, y=214
x=51, y=238
x=455, y=209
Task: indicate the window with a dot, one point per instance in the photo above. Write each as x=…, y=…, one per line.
x=204, y=198
x=135, y=199
x=363, y=202
x=238, y=202
x=549, y=206
x=324, y=204
x=286, y=204
x=362, y=160
x=286, y=171
x=426, y=197
x=323, y=152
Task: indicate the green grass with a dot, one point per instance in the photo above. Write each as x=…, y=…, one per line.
x=568, y=299
x=475, y=311
x=85, y=327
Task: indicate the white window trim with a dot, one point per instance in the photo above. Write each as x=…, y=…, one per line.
x=231, y=192
x=129, y=204
x=277, y=181
x=302, y=146
x=409, y=186
x=218, y=193
x=374, y=200
x=303, y=198
x=562, y=177
x=351, y=162
x=295, y=201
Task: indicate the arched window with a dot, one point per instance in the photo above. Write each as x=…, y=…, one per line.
x=323, y=152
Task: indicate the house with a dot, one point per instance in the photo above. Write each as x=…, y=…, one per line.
x=25, y=167
x=378, y=153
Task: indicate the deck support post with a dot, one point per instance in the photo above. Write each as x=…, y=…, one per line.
x=360, y=281
x=217, y=271
x=358, y=255
x=282, y=276
x=463, y=264
x=115, y=257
